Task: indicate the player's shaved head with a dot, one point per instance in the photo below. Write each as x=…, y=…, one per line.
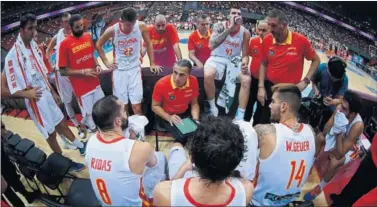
x=262, y=28
x=160, y=23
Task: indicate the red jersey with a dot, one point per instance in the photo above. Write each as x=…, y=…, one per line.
x=163, y=45
x=45, y=59
x=175, y=100
x=256, y=54
x=373, y=149
x=286, y=60
x=77, y=54
x=200, y=44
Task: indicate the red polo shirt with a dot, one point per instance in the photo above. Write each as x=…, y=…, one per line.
x=373, y=149
x=256, y=54
x=200, y=44
x=175, y=100
x=286, y=60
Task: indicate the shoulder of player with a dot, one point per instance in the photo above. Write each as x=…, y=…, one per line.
x=263, y=130
x=249, y=187
x=163, y=81
x=357, y=128
x=193, y=35
x=299, y=37
x=161, y=193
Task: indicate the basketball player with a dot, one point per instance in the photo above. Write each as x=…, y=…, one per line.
x=165, y=41
x=127, y=38
x=63, y=84
x=78, y=62
x=26, y=77
x=346, y=147
x=229, y=39
x=116, y=163
x=198, y=41
x=216, y=149
x=262, y=29
x=288, y=146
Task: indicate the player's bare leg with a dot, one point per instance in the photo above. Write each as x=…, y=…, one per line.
x=243, y=97
x=136, y=108
x=62, y=128
x=54, y=145
x=320, y=140
x=210, y=89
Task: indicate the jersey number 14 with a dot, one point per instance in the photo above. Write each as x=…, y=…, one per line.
x=296, y=173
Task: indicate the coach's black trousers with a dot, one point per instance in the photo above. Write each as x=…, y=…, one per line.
x=173, y=130
x=364, y=180
x=262, y=113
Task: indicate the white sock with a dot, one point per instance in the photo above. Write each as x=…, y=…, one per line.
x=322, y=184
x=78, y=143
x=89, y=122
x=240, y=114
x=212, y=103
x=63, y=138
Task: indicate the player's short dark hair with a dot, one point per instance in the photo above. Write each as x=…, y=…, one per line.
x=289, y=93
x=74, y=18
x=66, y=15
x=129, y=15
x=276, y=13
x=184, y=63
x=27, y=18
x=104, y=112
x=202, y=16
x=235, y=7
x=216, y=148
x=353, y=100
x=337, y=67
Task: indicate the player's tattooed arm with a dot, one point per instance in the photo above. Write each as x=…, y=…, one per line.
x=264, y=131
x=218, y=36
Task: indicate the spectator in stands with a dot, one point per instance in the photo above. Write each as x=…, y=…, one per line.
x=172, y=96
x=362, y=182
x=283, y=53
x=262, y=30
x=216, y=149
x=330, y=81
x=165, y=42
x=198, y=41
x=341, y=138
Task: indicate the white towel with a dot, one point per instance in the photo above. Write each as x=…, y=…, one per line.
x=340, y=124
x=19, y=69
x=59, y=38
x=137, y=124
x=226, y=95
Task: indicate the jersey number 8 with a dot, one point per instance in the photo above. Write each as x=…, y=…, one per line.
x=102, y=190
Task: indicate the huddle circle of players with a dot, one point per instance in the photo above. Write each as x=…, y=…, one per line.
x=230, y=163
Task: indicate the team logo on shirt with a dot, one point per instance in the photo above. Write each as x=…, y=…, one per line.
x=271, y=53
x=276, y=199
x=255, y=51
x=171, y=97
x=200, y=45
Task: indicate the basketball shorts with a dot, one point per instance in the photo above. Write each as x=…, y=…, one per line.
x=45, y=113
x=87, y=101
x=128, y=85
x=177, y=157
x=154, y=175
x=220, y=64
x=64, y=87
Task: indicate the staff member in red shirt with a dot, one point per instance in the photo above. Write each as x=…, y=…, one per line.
x=173, y=94
x=77, y=60
x=165, y=40
x=262, y=30
x=283, y=53
x=198, y=42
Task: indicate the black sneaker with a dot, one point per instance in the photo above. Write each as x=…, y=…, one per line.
x=83, y=150
x=76, y=167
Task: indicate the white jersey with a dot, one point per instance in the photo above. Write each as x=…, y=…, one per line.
x=232, y=45
x=60, y=36
x=354, y=152
x=127, y=47
x=112, y=179
x=180, y=195
x=282, y=175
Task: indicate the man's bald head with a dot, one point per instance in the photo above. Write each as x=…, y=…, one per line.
x=262, y=28
x=160, y=23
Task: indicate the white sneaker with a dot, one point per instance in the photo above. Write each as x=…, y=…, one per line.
x=67, y=145
x=80, y=132
x=214, y=111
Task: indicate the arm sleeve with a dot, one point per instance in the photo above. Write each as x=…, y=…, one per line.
x=191, y=43
x=317, y=75
x=343, y=88
x=195, y=87
x=309, y=52
x=264, y=50
x=157, y=96
x=12, y=70
x=173, y=35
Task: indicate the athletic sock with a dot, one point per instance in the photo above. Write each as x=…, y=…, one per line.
x=322, y=184
x=212, y=103
x=75, y=122
x=78, y=143
x=240, y=114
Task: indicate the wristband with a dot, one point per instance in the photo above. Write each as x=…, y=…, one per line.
x=306, y=80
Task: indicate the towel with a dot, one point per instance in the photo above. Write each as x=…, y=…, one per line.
x=340, y=124
x=19, y=69
x=226, y=96
x=59, y=38
x=137, y=124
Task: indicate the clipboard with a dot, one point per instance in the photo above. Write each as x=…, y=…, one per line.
x=187, y=126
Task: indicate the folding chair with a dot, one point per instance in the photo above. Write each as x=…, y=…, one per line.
x=158, y=127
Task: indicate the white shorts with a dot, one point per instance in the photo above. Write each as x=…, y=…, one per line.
x=87, y=101
x=64, y=86
x=45, y=113
x=177, y=157
x=154, y=175
x=127, y=85
x=219, y=63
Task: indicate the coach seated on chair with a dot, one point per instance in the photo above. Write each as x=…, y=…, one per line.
x=172, y=96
